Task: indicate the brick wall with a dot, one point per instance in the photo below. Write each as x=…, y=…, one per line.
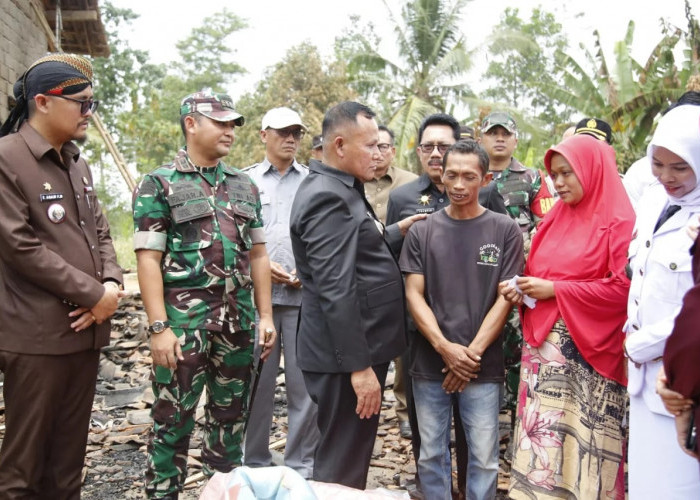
x=22, y=41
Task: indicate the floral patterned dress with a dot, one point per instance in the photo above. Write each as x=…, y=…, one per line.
x=569, y=439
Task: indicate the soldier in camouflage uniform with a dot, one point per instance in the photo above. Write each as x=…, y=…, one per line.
x=201, y=258
x=527, y=200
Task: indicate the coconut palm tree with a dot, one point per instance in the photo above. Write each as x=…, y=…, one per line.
x=426, y=77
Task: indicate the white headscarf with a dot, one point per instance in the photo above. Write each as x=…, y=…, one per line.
x=679, y=132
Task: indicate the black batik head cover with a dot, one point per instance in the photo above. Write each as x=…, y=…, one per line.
x=53, y=74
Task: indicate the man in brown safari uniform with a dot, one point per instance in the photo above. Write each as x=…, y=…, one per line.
x=59, y=281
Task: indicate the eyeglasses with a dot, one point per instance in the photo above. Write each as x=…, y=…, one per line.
x=86, y=105
x=429, y=148
x=384, y=147
x=297, y=133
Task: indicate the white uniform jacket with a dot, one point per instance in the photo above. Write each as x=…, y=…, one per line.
x=661, y=275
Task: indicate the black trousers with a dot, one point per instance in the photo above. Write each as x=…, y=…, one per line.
x=48, y=402
x=345, y=446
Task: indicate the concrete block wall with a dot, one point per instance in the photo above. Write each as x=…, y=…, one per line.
x=22, y=41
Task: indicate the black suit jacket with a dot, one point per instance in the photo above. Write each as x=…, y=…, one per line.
x=353, y=312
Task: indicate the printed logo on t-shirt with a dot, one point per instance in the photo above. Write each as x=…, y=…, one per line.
x=489, y=255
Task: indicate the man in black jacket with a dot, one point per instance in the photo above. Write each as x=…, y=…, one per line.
x=352, y=321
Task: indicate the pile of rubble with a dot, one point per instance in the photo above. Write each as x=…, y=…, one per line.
x=116, y=452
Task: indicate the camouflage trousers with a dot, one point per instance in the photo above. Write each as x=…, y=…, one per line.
x=512, y=347
x=222, y=362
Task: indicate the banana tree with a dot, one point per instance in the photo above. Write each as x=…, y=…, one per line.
x=631, y=95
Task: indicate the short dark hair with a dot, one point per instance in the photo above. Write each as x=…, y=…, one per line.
x=196, y=116
x=388, y=131
x=468, y=147
x=345, y=112
x=439, y=119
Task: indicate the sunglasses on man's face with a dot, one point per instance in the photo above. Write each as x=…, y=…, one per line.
x=86, y=105
x=296, y=132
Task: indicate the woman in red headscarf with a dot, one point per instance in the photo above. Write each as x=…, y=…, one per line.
x=571, y=402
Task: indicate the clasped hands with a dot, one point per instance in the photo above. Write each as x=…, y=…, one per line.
x=462, y=364
x=100, y=312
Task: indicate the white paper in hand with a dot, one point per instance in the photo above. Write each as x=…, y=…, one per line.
x=527, y=300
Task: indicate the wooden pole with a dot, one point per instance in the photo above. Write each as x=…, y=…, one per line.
x=45, y=26
x=114, y=151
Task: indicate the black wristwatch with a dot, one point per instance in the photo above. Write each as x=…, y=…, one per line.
x=158, y=326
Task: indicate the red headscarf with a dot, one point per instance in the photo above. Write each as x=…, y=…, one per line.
x=583, y=249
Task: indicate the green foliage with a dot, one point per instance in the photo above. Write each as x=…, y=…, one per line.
x=302, y=82
x=354, y=52
x=119, y=81
x=531, y=74
x=522, y=65
x=630, y=95
x=427, y=78
x=207, y=51
x=118, y=76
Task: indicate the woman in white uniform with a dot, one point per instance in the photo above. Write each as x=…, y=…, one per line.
x=661, y=274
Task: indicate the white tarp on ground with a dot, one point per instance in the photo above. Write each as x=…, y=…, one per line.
x=283, y=483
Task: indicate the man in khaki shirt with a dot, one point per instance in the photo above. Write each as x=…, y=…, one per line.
x=386, y=178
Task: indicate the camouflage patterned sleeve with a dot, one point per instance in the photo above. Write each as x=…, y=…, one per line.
x=151, y=215
x=257, y=231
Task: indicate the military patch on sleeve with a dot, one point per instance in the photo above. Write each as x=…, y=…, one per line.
x=148, y=187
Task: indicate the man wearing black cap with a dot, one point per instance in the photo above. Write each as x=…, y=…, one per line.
x=596, y=128
x=60, y=280
x=317, y=148
x=200, y=249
